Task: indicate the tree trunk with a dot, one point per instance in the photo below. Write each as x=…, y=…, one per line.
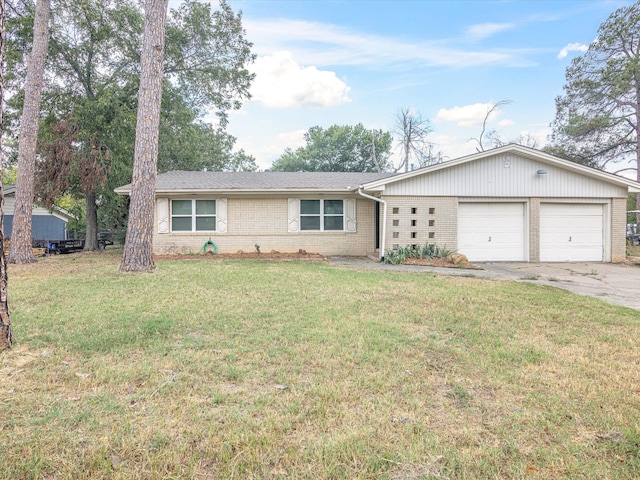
x=637, y=149
x=21, y=241
x=138, y=248
x=638, y=198
x=91, y=235
x=5, y=319
x=6, y=338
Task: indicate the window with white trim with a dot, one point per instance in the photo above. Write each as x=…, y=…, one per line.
x=193, y=215
x=322, y=215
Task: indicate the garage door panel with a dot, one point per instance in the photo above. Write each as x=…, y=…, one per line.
x=571, y=232
x=491, y=231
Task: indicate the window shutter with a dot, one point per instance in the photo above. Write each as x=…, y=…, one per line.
x=221, y=215
x=162, y=206
x=350, y=214
x=294, y=215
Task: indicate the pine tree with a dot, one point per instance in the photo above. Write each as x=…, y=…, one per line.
x=21, y=243
x=138, y=248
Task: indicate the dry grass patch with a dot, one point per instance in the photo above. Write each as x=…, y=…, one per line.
x=633, y=254
x=247, y=369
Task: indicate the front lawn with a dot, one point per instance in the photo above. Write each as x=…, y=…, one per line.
x=216, y=368
x=633, y=250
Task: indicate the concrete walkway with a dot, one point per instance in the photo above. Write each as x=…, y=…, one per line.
x=614, y=283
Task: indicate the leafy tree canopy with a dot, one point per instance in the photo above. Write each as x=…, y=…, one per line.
x=339, y=149
x=597, y=117
x=90, y=95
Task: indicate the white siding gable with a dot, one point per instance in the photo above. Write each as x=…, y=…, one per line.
x=505, y=175
x=9, y=203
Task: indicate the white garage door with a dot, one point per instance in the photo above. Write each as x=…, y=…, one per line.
x=571, y=233
x=491, y=231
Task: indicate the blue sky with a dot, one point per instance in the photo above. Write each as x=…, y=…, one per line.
x=347, y=62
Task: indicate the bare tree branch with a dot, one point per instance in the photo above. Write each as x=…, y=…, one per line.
x=490, y=111
x=411, y=132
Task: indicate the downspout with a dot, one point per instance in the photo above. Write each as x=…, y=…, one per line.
x=384, y=219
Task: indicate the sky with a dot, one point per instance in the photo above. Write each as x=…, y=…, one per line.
x=330, y=62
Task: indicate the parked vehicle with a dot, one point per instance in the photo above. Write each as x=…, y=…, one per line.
x=104, y=239
x=57, y=247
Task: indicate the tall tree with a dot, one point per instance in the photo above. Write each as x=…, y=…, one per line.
x=597, y=118
x=411, y=131
x=94, y=57
x=6, y=339
x=338, y=149
x=138, y=248
x=21, y=243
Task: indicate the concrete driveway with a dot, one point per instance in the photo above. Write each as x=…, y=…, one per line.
x=614, y=283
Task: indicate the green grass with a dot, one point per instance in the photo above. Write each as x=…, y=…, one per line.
x=218, y=368
x=633, y=250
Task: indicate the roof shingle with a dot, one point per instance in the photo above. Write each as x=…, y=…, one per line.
x=180, y=181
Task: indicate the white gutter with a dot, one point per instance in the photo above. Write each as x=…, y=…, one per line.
x=384, y=219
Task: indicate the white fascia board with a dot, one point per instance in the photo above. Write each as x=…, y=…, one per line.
x=167, y=193
x=376, y=189
x=206, y=191
x=65, y=217
x=62, y=213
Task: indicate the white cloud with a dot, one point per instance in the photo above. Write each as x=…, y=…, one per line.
x=484, y=30
x=450, y=144
x=268, y=147
x=572, y=47
x=291, y=140
x=325, y=44
x=282, y=83
x=466, y=116
x=541, y=136
x=505, y=123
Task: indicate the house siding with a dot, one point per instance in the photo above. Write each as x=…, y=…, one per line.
x=9, y=203
x=491, y=177
x=422, y=207
x=46, y=225
x=43, y=227
x=503, y=177
x=263, y=221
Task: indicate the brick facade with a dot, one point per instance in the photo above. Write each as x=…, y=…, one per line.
x=264, y=221
x=618, y=229
x=416, y=220
x=534, y=229
x=420, y=220
x=411, y=220
x=422, y=206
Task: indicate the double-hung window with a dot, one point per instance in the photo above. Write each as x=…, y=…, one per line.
x=322, y=215
x=193, y=215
